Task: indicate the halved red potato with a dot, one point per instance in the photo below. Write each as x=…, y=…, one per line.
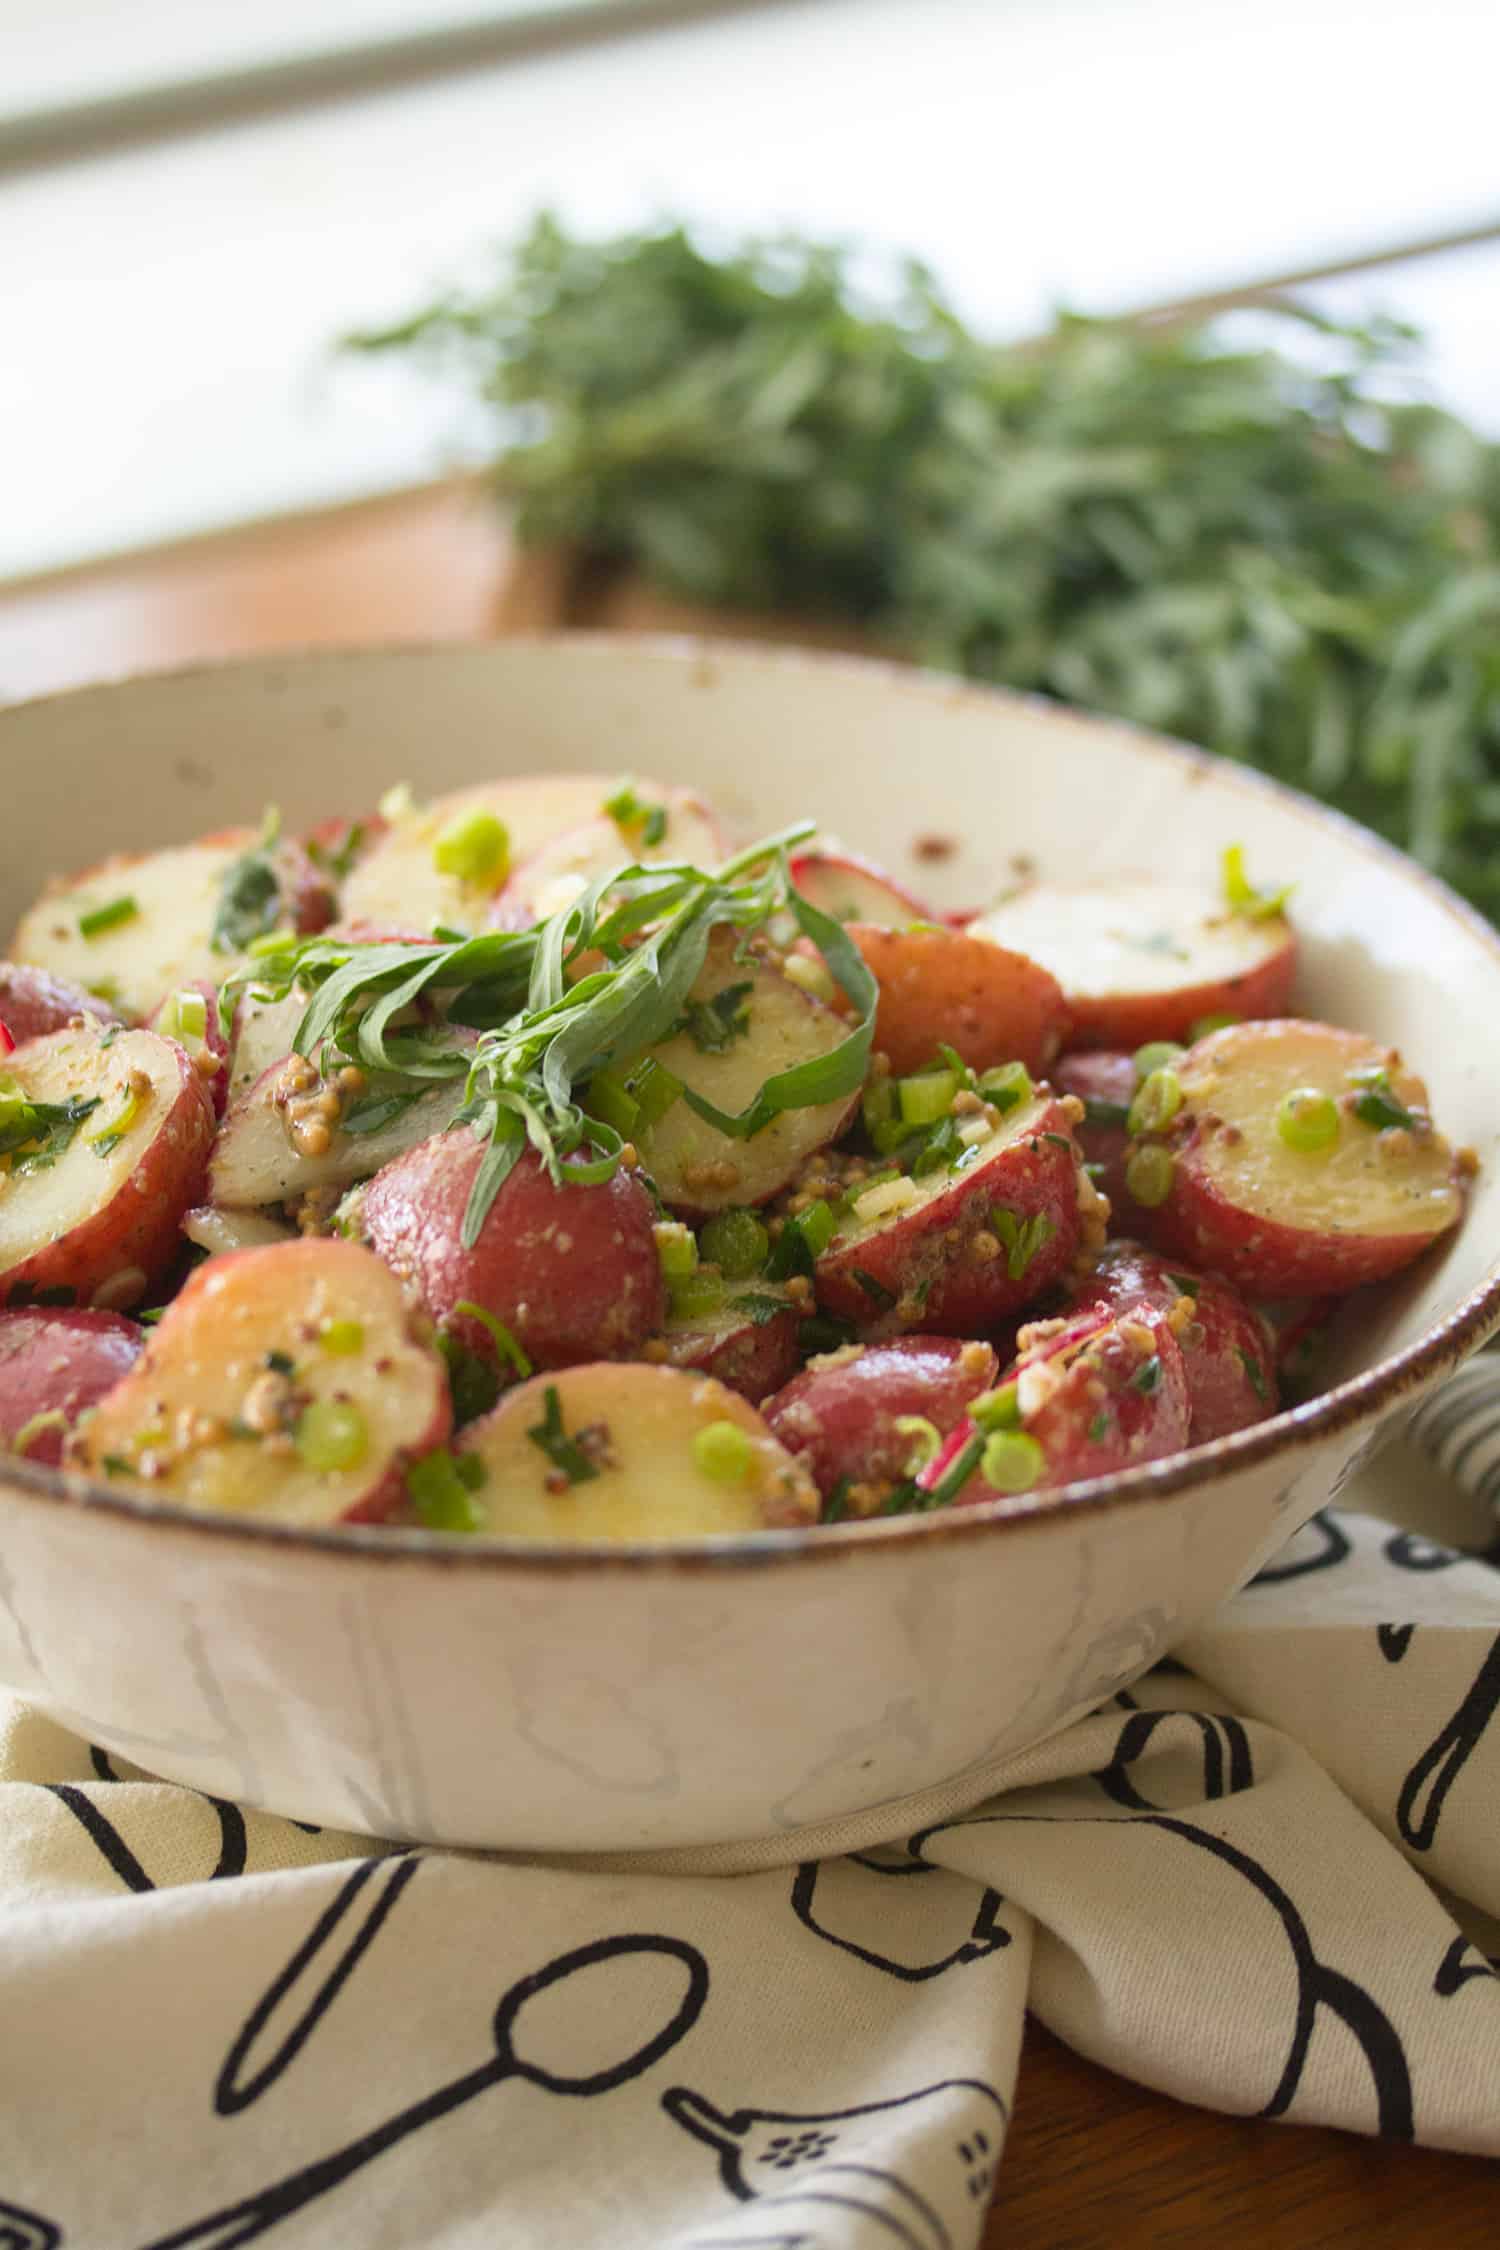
x=1142, y=959
x=972, y=994
x=853, y=889
x=206, y=1047
x=552, y=877
x=1284, y=1222
x=1100, y=1396
x=94, y=1204
x=572, y=1271
x=269, y=1149
x=397, y=882
x=294, y=1384
x=627, y=1452
x=840, y=1415
x=749, y=1344
x=1105, y=1083
x=954, y=1252
x=56, y=1361
x=32, y=1003
x=158, y=913
x=219, y=1232
x=756, y=1023
x=1228, y=1352
x=261, y=1034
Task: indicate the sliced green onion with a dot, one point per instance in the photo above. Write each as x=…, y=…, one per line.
x=439, y=1490
x=927, y=1097
x=1011, y=1461
x=1007, y=1086
x=1149, y=1173
x=1205, y=1025
x=1307, y=1120
x=475, y=847
x=110, y=1134
x=1240, y=893
x=999, y=1409
x=676, y=1249
x=98, y=919
x=185, y=1017
x=1157, y=1101
x=735, y=1242
x=610, y=1100
x=1157, y=1054
x=331, y=1437
x=342, y=1339
x=696, y=1296
x=724, y=1452
x=877, y=1104
x=53, y=1418
x=927, y=1442
x=810, y=977
x=1022, y=1238
x=895, y=1134
x=398, y=803
x=817, y=1227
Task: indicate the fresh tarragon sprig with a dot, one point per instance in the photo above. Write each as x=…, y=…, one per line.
x=594, y=985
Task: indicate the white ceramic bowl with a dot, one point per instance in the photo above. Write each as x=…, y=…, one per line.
x=604, y=1700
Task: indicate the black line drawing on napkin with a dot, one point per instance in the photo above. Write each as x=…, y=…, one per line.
x=102, y=1832
x=1332, y=1546
x=787, y=2157
x=256, y=2214
x=1219, y=1732
x=1446, y=1755
x=1394, y=1641
x=1408, y=1550
x=984, y=1936
x=26, y=2230
x=1454, y=1971
x=1318, y=1986
x=233, y=2091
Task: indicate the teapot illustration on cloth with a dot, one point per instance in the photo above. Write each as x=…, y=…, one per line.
x=816, y=2167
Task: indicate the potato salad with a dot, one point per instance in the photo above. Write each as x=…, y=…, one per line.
x=539, y=1163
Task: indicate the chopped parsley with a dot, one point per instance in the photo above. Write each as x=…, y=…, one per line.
x=1099, y=1429
x=249, y=903
x=1021, y=1238
x=36, y=1134
x=714, y=1025
x=1376, y=1105
x=1147, y=1377
x=564, y=1452
x=825, y=1332
x=1098, y=1111
x=1253, y=1373
x=337, y=859
x=836, y=1506
x=281, y=1363
x=880, y=1297
x=759, y=1309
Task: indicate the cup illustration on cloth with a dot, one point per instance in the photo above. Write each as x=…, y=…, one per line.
x=821, y=2167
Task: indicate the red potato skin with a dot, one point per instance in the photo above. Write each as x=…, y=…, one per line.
x=1102, y=1075
x=1131, y=1020
x=1225, y=1339
x=966, y=1295
x=839, y=1416
x=140, y=1225
x=572, y=1271
x=806, y=866
x=32, y=1003
x=990, y=1004
x=55, y=1358
x=753, y=1361
x=1142, y=1426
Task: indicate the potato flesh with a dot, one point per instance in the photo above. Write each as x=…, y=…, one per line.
x=165, y=945
x=1132, y=937
x=682, y=1151
x=649, y=1484
x=168, y=1428
x=554, y=876
x=256, y=1162
x=1365, y=1184
x=218, y=1232
x=44, y=1205
x=397, y=885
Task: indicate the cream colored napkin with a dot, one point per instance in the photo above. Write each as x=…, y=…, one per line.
x=1259, y=1884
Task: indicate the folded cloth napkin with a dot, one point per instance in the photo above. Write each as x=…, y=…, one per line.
x=1261, y=1880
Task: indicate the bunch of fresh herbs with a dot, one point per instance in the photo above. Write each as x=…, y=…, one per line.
x=1252, y=549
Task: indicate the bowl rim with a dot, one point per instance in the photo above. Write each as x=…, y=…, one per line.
x=1292, y=1434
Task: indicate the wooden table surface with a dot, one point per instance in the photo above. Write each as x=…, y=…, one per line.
x=1092, y=2162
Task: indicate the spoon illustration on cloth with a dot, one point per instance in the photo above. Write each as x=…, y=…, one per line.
x=601, y=1999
